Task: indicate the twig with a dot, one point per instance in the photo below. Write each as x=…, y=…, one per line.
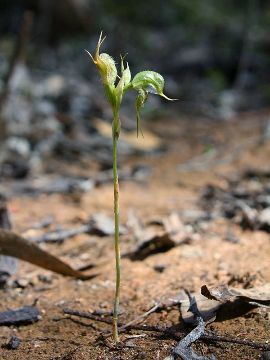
x=183, y=348
x=155, y=308
x=140, y=318
x=87, y=315
x=250, y=343
x=172, y=333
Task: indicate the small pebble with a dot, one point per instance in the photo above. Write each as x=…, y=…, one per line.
x=21, y=283
x=159, y=268
x=47, y=279
x=13, y=343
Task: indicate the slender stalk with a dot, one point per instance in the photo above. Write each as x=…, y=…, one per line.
x=115, y=87
x=115, y=135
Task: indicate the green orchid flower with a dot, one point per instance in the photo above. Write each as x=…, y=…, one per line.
x=144, y=82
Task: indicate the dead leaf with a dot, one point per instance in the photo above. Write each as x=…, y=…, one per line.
x=223, y=293
x=152, y=240
x=207, y=308
x=176, y=228
x=156, y=244
x=12, y=244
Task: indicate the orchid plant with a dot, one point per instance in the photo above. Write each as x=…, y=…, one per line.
x=115, y=88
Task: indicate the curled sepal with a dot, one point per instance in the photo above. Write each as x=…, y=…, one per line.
x=152, y=79
x=105, y=64
x=140, y=101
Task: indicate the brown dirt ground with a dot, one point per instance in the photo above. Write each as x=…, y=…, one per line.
x=209, y=260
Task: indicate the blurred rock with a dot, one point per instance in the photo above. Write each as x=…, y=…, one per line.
x=44, y=108
x=53, y=86
x=18, y=147
x=14, y=158
x=20, y=80
x=17, y=114
x=227, y=103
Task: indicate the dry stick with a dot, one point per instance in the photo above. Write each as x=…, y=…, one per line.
x=251, y=343
x=169, y=332
x=157, y=307
x=140, y=318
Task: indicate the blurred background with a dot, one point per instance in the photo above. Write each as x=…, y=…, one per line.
x=214, y=55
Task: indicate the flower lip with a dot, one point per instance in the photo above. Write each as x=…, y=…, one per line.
x=150, y=81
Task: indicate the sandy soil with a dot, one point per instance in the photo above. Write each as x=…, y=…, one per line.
x=209, y=259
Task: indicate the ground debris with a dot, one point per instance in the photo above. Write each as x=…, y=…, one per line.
x=14, y=245
x=8, y=265
x=151, y=240
x=71, y=185
x=102, y=225
x=154, y=245
x=245, y=200
x=207, y=308
x=212, y=337
x=48, y=185
x=59, y=236
x=45, y=222
x=21, y=316
x=98, y=224
x=256, y=295
x=13, y=343
x=138, y=173
x=159, y=306
x=183, y=348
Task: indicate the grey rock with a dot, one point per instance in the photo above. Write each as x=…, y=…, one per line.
x=17, y=113
x=18, y=146
x=44, y=108
x=20, y=80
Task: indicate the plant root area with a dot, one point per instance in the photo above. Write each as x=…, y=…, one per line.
x=215, y=176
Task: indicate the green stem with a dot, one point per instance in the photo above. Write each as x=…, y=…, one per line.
x=115, y=134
